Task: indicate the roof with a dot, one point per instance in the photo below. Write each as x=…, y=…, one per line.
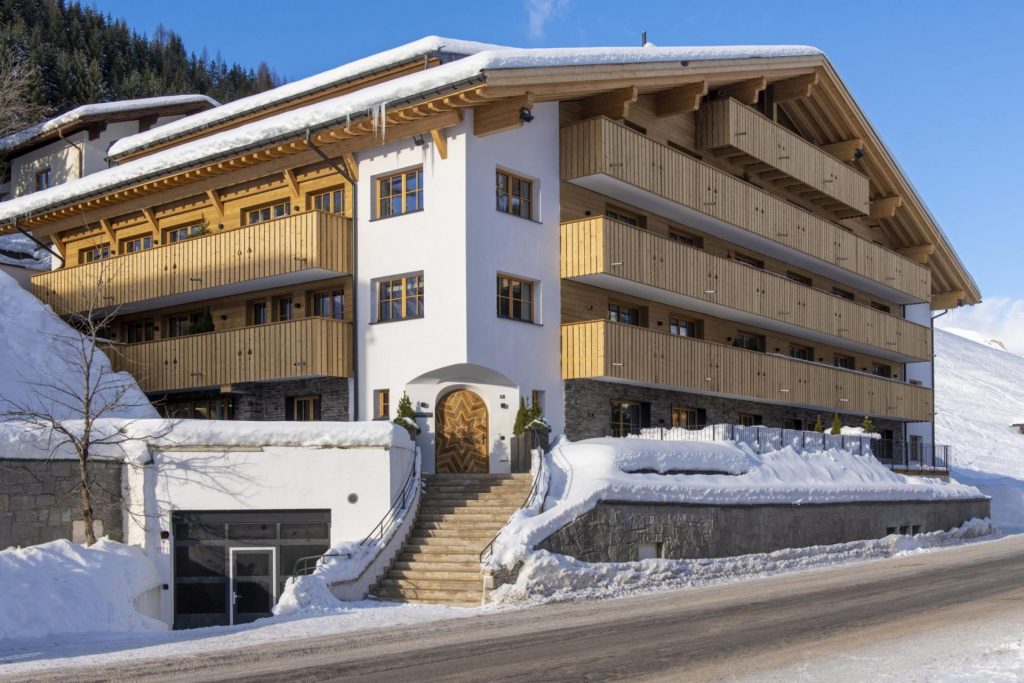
x=103, y=111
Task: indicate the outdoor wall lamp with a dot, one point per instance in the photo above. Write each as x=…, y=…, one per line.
x=418, y=140
x=525, y=114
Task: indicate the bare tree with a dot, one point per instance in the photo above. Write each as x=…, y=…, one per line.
x=67, y=406
x=17, y=108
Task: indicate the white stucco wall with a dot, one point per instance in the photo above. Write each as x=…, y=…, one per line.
x=920, y=372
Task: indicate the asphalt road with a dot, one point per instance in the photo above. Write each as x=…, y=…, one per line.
x=735, y=631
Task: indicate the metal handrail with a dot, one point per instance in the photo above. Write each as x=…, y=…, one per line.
x=486, y=552
x=311, y=562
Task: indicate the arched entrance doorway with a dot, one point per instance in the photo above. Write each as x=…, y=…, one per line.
x=461, y=441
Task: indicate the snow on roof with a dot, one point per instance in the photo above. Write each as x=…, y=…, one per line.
x=19, y=250
x=30, y=134
x=370, y=101
x=306, y=86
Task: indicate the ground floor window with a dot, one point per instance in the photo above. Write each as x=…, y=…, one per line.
x=329, y=304
x=382, y=404
x=302, y=408
x=689, y=418
x=750, y=420
x=629, y=417
x=197, y=408
x=793, y=423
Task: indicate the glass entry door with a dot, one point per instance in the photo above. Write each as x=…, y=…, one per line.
x=253, y=583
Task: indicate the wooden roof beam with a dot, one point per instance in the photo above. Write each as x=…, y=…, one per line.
x=440, y=142
x=794, y=88
x=919, y=253
x=746, y=92
x=499, y=116
x=885, y=207
x=950, y=299
x=109, y=232
x=151, y=218
x=351, y=165
x=614, y=104
x=685, y=98
x=214, y=197
x=846, y=150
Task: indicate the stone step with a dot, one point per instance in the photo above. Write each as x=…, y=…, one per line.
x=436, y=556
x=451, y=551
x=441, y=565
x=476, y=495
x=485, y=504
x=447, y=585
x=433, y=597
x=497, y=518
x=433, y=573
x=490, y=526
x=454, y=532
x=415, y=544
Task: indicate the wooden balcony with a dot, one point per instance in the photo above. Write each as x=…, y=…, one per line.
x=773, y=152
x=637, y=355
x=618, y=162
x=604, y=252
x=300, y=247
x=308, y=347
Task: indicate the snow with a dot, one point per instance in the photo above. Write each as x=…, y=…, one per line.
x=29, y=134
x=979, y=393
x=19, y=250
x=34, y=345
x=60, y=588
x=371, y=101
x=977, y=337
x=581, y=474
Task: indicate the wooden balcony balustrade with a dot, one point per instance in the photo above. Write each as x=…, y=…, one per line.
x=599, y=148
x=774, y=152
x=313, y=243
x=605, y=350
x=594, y=249
x=307, y=347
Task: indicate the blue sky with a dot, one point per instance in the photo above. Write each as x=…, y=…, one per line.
x=941, y=81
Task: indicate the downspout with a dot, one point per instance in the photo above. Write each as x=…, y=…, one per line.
x=934, y=318
x=50, y=250
x=355, y=269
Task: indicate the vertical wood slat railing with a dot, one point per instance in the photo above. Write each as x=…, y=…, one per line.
x=601, y=245
x=304, y=241
x=600, y=146
x=728, y=123
x=596, y=349
x=307, y=347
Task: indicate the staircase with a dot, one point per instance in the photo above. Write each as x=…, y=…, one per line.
x=459, y=514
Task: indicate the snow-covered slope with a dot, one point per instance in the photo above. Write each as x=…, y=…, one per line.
x=32, y=352
x=18, y=250
x=979, y=391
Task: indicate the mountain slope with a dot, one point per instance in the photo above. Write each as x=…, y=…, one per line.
x=979, y=392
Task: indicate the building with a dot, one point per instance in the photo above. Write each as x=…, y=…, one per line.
x=631, y=237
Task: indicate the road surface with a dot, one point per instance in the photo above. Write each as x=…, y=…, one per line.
x=735, y=631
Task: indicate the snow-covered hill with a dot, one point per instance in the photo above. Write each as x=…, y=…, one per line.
x=979, y=392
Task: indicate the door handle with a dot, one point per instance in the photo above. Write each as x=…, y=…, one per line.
x=234, y=598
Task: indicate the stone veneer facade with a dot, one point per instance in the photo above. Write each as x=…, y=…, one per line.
x=266, y=400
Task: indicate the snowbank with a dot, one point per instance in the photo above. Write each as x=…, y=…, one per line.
x=34, y=348
x=60, y=587
x=584, y=473
x=547, y=577
x=19, y=250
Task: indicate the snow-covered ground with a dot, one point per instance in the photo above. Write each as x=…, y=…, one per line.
x=19, y=250
x=979, y=392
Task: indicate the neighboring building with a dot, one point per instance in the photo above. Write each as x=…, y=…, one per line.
x=633, y=237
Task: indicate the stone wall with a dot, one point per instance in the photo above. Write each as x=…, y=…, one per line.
x=588, y=409
x=40, y=501
x=266, y=400
x=614, y=532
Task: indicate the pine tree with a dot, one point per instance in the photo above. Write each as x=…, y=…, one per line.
x=819, y=426
x=406, y=416
x=837, y=425
x=868, y=425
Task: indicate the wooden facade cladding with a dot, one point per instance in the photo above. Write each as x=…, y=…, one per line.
x=728, y=124
x=306, y=241
x=601, y=349
x=600, y=146
x=308, y=347
x=602, y=246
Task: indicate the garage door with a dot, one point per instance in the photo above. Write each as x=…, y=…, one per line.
x=230, y=567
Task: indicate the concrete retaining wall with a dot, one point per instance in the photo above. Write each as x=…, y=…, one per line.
x=615, y=531
x=40, y=501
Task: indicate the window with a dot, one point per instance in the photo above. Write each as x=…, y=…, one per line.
x=259, y=312
x=749, y=341
x=627, y=217
x=750, y=420
x=181, y=234
x=302, y=408
x=881, y=370
x=515, y=299
x=141, y=331
x=749, y=261
x=801, y=352
x=793, y=423
x=283, y=308
x=400, y=298
x=515, y=195
x=689, y=418
x=136, y=244
x=884, y=308
x=684, y=238
x=843, y=293
x=94, y=254
x=682, y=328
x=382, y=404
x=633, y=126
x=618, y=313
x=220, y=408
x=802, y=279
x=180, y=325
x=329, y=202
x=628, y=417
x=267, y=213
x=400, y=193
x=844, y=362
x=329, y=304
x=42, y=179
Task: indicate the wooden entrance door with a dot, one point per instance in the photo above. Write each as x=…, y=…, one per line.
x=461, y=433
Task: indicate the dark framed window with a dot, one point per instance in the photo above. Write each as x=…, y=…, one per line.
x=844, y=362
x=881, y=370
x=332, y=201
x=136, y=244
x=284, y=309
x=515, y=298
x=183, y=233
x=628, y=417
x=750, y=420
x=259, y=313
x=180, y=324
x=878, y=306
x=689, y=418
x=801, y=352
x=400, y=298
x=329, y=304
x=400, y=193
x=802, y=279
x=514, y=195
x=749, y=261
x=267, y=213
x=140, y=331
x=94, y=254
x=624, y=216
x=213, y=408
x=634, y=126
x=619, y=313
x=681, y=327
x=43, y=180
x=382, y=404
x=687, y=239
x=302, y=408
x=793, y=423
x=749, y=341
x=843, y=293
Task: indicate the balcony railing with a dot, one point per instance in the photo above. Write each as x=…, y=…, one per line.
x=315, y=242
x=727, y=124
x=601, y=147
x=308, y=347
x=601, y=246
x=602, y=349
